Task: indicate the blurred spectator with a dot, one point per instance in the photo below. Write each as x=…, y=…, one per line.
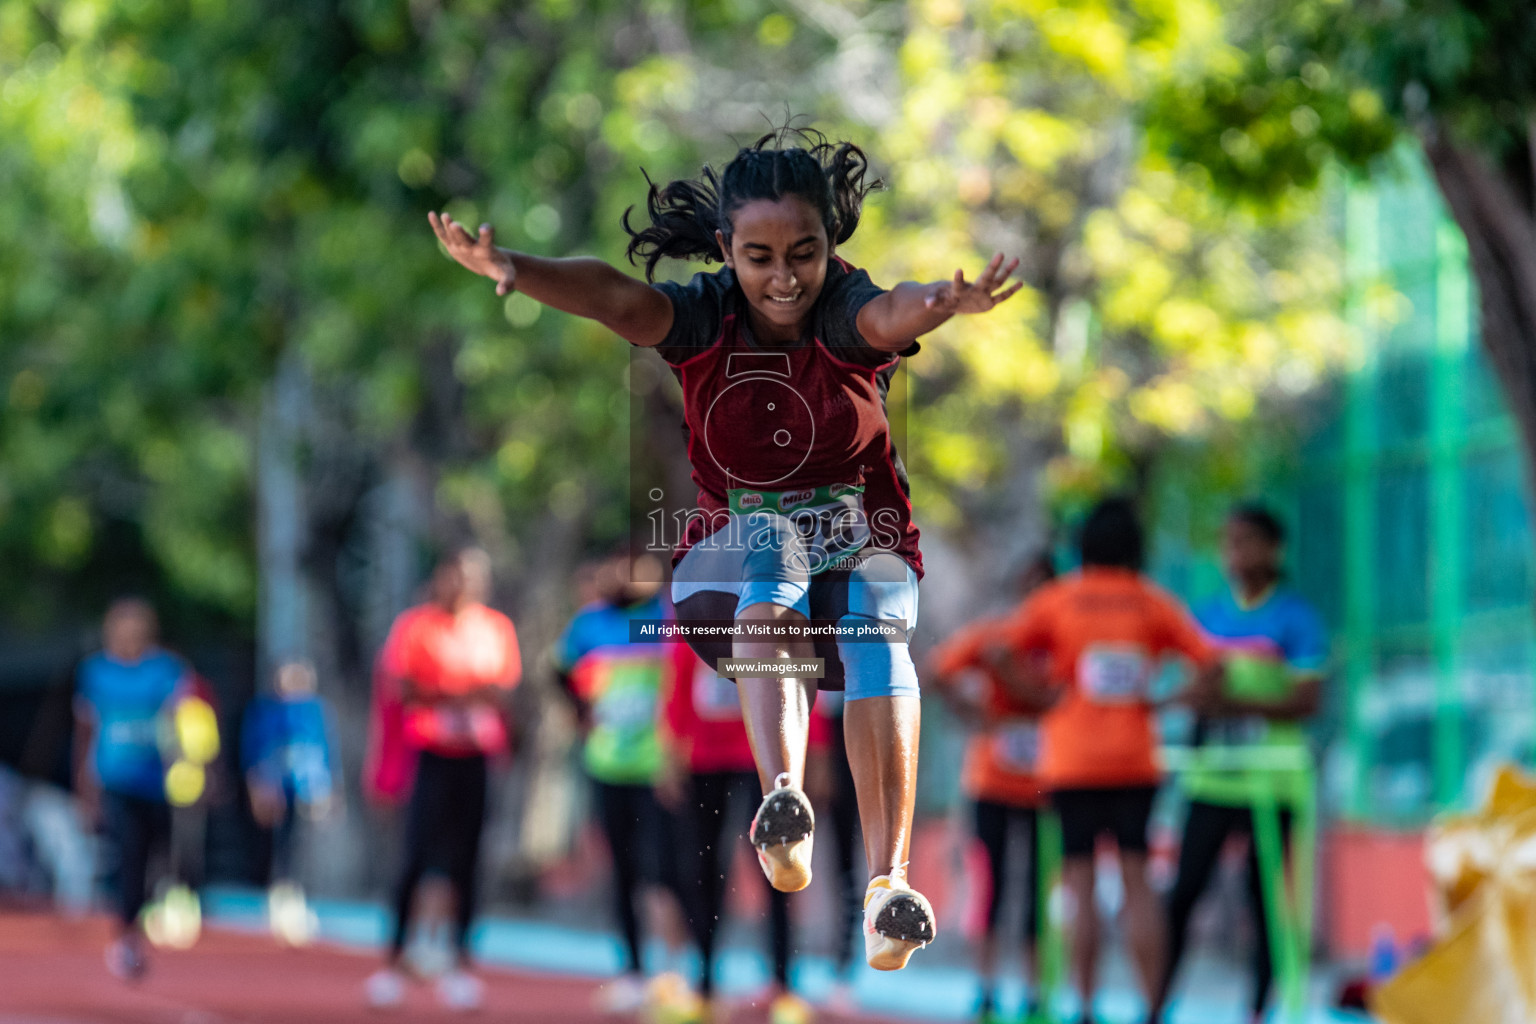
x=124, y=695
x=616, y=685
x=290, y=775
x=453, y=661
x=1275, y=649
x=1086, y=647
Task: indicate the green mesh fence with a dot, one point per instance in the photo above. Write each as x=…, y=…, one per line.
x=1404, y=493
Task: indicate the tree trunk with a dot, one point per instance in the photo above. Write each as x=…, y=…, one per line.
x=282, y=621
x=1501, y=241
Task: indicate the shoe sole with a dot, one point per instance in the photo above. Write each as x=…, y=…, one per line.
x=781, y=832
x=905, y=924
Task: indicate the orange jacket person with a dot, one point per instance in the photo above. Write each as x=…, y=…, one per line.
x=1102, y=632
x=454, y=661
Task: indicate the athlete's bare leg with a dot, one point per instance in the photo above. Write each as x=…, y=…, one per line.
x=881, y=734
x=777, y=712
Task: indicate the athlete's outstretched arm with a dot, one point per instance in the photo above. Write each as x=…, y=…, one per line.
x=894, y=320
x=582, y=285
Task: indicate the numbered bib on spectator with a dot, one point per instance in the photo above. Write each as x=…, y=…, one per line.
x=626, y=710
x=1114, y=674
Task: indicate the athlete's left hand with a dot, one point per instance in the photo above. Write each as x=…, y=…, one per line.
x=962, y=296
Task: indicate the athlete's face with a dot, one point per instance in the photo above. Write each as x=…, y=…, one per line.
x=1247, y=551
x=779, y=251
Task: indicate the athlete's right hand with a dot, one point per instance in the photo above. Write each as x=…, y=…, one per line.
x=479, y=254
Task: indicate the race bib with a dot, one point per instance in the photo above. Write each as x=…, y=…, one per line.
x=1114, y=674
x=1016, y=746
x=141, y=733
x=830, y=520
x=715, y=698
x=628, y=709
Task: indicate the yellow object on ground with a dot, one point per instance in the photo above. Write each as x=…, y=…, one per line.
x=788, y=1008
x=1482, y=968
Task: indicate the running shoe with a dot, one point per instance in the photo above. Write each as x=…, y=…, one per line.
x=625, y=994
x=430, y=953
x=176, y=919
x=460, y=991
x=385, y=989
x=898, y=921
x=695, y=1011
x=782, y=831
x=669, y=999
x=288, y=914
x=125, y=960
x=788, y=1008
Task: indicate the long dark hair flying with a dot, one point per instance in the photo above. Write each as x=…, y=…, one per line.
x=685, y=214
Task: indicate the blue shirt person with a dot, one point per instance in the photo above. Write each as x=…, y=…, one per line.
x=124, y=698
x=286, y=743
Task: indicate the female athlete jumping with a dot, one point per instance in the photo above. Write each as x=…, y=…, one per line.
x=784, y=357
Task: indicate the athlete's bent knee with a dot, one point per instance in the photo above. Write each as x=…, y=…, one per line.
x=874, y=665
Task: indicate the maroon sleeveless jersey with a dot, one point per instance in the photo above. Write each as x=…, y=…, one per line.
x=787, y=418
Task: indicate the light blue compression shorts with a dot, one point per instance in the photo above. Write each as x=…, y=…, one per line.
x=761, y=559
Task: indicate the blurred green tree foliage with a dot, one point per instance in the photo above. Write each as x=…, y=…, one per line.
x=1153, y=311
x=1302, y=83
x=193, y=192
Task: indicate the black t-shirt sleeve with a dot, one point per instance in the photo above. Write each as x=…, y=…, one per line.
x=846, y=291
x=698, y=310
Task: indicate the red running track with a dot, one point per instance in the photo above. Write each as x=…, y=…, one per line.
x=51, y=972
